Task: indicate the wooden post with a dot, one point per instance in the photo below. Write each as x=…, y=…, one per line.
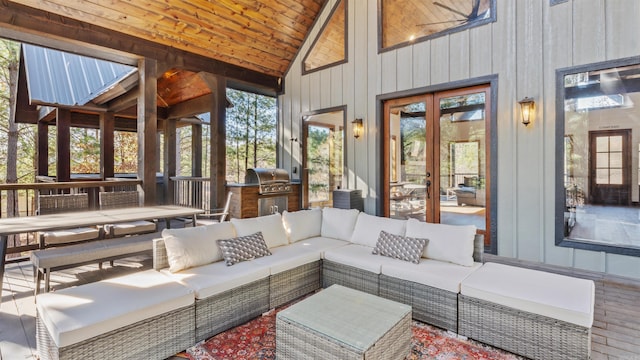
x=196, y=150
x=218, y=160
x=43, y=149
x=147, y=128
x=63, y=145
x=169, y=159
x=107, y=126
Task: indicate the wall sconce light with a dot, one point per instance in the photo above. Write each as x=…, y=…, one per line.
x=357, y=128
x=527, y=105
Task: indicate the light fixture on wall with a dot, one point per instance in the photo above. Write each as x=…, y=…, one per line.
x=527, y=106
x=357, y=128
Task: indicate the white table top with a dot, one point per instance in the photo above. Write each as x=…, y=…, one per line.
x=347, y=316
x=18, y=225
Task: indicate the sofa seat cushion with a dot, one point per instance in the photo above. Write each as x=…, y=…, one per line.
x=358, y=256
x=288, y=257
x=320, y=244
x=556, y=296
x=438, y=274
x=215, y=278
x=79, y=313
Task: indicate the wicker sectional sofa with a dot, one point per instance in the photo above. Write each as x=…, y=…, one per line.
x=309, y=249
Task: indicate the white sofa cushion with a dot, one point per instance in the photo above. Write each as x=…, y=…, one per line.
x=321, y=244
x=195, y=246
x=70, y=314
x=438, y=274
x=301, y=225
x=288, y=257
x=452, y=243
x=368, y=227
x=358, y=256
x=211, y=279
x=556, y=296
x=270, y=225
x=338, y=223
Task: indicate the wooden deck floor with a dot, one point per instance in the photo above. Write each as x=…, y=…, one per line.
x=616, y=330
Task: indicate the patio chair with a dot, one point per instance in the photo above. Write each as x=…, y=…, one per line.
x=124, y=199
x=61, y=203
x=215, y=215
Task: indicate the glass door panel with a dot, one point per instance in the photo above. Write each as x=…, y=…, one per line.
x=462, y=159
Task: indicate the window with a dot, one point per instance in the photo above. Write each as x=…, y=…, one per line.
x=330, y=47
x=598, y=186
x=403, y=22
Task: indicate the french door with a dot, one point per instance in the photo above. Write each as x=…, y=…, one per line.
x=610, y=158
x=436, y=167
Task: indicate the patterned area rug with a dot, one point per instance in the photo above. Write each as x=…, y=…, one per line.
x=256, y=340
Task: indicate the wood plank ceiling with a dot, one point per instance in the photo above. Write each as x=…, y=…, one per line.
x=263, y=36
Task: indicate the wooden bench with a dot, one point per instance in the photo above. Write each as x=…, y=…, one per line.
x=52, y=259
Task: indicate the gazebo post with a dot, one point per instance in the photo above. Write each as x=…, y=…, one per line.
x=147, y=124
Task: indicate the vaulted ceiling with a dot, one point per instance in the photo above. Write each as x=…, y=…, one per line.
x=258, y=35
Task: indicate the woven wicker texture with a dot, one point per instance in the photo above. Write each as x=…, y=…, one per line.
x=155, y=338
x=160, y=257
x=430, y=305
x=530, y=335
x=301, y=332
x=292, y=284
x=349, y=276
x=118, y=199
x=55, y=204
x=231, y=308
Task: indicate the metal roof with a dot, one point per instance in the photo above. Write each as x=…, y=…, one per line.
x=63, y=79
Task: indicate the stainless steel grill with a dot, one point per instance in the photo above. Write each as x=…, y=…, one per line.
x=270, y=181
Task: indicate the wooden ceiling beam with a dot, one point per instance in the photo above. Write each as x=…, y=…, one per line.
x=24, y=23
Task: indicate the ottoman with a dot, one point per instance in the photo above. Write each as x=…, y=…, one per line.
x=533, y=313
x=143, y=315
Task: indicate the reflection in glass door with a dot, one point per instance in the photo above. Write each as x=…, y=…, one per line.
x=437, y=169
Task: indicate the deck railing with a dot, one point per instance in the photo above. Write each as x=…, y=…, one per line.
x=192, y=192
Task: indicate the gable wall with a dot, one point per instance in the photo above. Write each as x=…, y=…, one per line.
x=525, y=46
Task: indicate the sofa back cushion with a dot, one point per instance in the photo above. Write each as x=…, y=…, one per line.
x=195, y=246
x=270, y=226
x=452, y=243
x=368, y=228
x=303, y=224
x=338, y=223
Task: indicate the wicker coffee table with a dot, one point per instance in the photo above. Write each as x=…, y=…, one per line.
x=342, y=323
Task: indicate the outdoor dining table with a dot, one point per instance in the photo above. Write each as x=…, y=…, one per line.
x=52, y=222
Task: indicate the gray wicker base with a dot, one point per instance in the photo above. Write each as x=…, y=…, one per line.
x=231, y=308
x=349, y=276
x=292, y=284
x=295, y=342
x=155, y=338
x=530, y=335
x=430, y=305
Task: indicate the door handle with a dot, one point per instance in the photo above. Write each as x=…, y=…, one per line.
x=428, y=184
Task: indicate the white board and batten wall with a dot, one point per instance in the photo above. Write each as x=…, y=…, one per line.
x=530, y=40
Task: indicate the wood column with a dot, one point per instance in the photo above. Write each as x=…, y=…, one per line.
x=63, y=145
x=147, y=128
x=218, y=160
x=107, y=128
x=170, y=159
x=43, y=149
x=196, y=150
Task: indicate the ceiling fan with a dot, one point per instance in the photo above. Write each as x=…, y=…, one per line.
x=475, y=7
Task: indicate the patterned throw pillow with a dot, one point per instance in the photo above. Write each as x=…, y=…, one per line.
x=243, y=248
x=400, y=247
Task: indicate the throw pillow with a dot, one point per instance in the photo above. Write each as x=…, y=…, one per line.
x=368, y=227
x=400, y=247
x=301, y=225
x=243, y=248
x=338, y=223
x=452, y=243
x=195, y=246
x=270, y=226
